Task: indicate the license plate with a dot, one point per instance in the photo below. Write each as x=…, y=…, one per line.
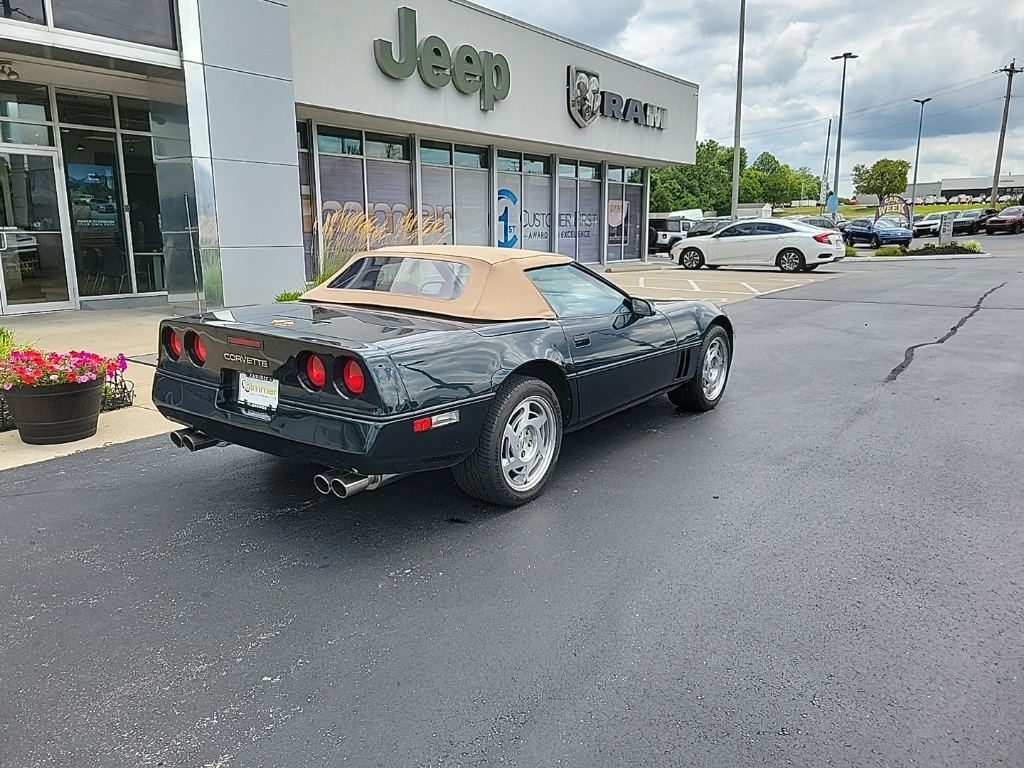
x=257, y=392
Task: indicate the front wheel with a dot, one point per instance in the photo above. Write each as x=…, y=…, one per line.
x=691, y=258
x=518, y=447
x=875, y=242
x=713, y=266
x=705, y=389
x=791, y=260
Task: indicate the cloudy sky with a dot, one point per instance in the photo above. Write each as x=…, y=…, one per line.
x=946, y=49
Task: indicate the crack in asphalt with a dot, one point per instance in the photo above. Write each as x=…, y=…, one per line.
x=908, y=356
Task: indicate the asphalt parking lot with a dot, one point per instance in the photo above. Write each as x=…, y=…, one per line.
x=722, y=286
x=827, y=569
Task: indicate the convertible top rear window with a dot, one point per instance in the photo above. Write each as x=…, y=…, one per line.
x=408, y=276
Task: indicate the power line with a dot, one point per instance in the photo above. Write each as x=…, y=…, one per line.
x=877, y=108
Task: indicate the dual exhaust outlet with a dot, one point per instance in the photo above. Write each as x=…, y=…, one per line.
x=344, y=485
x=193, y=440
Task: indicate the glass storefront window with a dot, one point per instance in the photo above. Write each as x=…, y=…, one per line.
x=633, y=246
x=635, y=175
x=510, y=162
x=615, y=174
x=389, y=198
x=536, y=164
x=567, y=217
x=508, y=227
x=144, y=213
x=26, y=133
x=471, y=207
x=435, y=153
x=302, y=134
x=588, y=223
x=437, y=203
x=471, y=157
x=97, y=220
x=338, y=141
x=133, y=114
x=85, y=109
x=23, y=10
x=387, y=147
x=590, y=171
x=537, y=213
x=148, y=22
x=567, y=170
x=24, y=101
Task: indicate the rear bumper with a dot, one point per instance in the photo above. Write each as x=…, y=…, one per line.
x=382, y=446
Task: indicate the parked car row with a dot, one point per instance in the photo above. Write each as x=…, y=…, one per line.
x=969, y=222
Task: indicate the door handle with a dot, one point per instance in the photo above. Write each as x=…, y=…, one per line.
x=581, y=339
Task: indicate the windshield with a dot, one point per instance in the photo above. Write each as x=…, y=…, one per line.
x=1012, y=212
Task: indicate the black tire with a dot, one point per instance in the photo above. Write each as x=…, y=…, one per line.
x=1018, y=228
x=481, y=475
x=789, y=265
x=875, y=242
x=811, y=267
x=713, y=266
x=691, y=396
x=848, y=241
x=695, y=260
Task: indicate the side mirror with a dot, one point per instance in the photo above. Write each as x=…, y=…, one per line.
x=640, y=307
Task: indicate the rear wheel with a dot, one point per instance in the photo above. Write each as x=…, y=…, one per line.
x=705, y=389
x=691, y=258
x=790, y=260
x=1018, y=228
x=518, y=447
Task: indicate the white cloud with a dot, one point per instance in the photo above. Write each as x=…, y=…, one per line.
x=946, y=49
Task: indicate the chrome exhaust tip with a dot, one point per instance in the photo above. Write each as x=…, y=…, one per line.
x=348, y=485
x=176, y=438
x=322, y=482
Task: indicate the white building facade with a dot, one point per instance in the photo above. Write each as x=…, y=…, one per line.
x=206, y=150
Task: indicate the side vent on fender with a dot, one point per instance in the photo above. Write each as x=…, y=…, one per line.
x=684, y=364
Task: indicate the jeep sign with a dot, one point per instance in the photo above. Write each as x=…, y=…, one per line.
x=469, y=70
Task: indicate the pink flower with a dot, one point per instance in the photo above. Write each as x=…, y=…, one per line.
x=8, y=385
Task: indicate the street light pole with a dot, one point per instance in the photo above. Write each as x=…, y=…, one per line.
x=917, y=159
x=839, y=132
x=739, y=106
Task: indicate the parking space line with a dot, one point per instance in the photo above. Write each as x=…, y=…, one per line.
x=693, y=285
x=751, y=288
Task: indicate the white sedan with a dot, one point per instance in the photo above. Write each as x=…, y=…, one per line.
x=792, y=246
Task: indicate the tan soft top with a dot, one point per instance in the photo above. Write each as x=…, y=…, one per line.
x=497, y=288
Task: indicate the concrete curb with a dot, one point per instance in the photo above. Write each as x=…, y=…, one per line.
x=937, y=257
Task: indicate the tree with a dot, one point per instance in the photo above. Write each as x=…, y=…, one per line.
x=751, y=186
x=767, y=164
x=885, y=177
x=666, y=193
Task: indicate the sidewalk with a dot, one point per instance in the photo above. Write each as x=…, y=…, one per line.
x=107, y=332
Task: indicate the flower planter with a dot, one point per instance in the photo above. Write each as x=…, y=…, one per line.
x=61, y=413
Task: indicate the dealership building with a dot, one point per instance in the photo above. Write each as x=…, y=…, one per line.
x=222, y=151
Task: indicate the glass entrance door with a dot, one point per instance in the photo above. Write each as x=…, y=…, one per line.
x=36, y=263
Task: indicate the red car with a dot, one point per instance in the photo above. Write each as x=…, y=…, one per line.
x=1007, y=220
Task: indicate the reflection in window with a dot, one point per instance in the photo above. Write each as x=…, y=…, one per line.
x=148, y=22
x=133, y=114
x=85, y=109
x=23, y=10
x=339, y=141
x=387, y=147
x=24, y=101
x=144, y=213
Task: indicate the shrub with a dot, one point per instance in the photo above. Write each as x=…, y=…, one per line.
x=889, y=250
x=288, y=295
x=969, y=245
x=6, y=342
x=850, y=251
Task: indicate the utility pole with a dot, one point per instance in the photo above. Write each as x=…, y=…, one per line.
x=917, y=159
x=839, y=132
x=739, y=106
x=1010, y=71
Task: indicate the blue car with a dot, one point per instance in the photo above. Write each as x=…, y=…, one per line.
x=885, y=231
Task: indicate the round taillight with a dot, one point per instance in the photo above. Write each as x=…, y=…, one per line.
x=196, y=348
x=172, y=343
x=352, y=377
x=316, y=375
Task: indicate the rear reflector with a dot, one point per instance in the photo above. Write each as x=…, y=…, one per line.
x=432, y=422
x=240, y=341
